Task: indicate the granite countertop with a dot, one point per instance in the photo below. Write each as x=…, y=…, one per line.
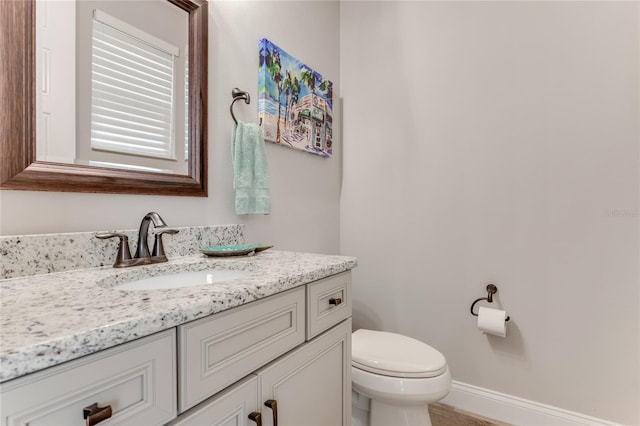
x=52, y=318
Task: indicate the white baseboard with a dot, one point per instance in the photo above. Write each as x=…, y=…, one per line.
x=514, y=410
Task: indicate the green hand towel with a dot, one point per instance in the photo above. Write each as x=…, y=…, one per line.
x=250, y=169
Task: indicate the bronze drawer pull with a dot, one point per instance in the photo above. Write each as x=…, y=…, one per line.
x=94, y=414
x=273, y=404
x=256, y=417
x=335, y=301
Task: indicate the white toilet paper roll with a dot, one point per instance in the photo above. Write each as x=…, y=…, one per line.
x=492, y=321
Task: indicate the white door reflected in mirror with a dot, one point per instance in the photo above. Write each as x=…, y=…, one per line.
x=112, y=89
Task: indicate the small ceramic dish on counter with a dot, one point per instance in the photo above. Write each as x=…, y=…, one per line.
x=234, y=250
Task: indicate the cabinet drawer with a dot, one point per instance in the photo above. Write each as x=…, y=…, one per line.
x=136, y=379
x=328, y=303
x=221, y=349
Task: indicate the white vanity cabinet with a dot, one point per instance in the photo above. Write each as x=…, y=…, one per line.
x=290, y=351
x=133, y=384
x=308, y=386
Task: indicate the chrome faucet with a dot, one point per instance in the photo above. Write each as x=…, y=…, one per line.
x=142, y=250
x=142, y=256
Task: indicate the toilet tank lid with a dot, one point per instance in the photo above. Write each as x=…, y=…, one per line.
x=395, y=355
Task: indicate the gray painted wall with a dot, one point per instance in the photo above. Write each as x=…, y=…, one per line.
x=498, y=142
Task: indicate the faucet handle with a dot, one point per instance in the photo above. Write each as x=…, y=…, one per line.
x=158, y=247
x=123, y=249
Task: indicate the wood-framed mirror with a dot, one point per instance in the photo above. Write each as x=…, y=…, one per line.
x=20, y=167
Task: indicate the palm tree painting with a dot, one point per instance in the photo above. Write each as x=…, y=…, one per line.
x=294, y=102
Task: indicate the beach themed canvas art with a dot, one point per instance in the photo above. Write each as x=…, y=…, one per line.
x=294, y=102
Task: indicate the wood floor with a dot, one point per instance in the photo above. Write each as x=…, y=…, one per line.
x=445, y=415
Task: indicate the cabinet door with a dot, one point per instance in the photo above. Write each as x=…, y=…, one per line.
x=230, y=408
x=311, y=385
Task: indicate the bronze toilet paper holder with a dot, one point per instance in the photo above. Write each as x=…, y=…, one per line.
x=491, y=290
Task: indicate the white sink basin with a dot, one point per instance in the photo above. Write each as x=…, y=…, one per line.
x=183, y=279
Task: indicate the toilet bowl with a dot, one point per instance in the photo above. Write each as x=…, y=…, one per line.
x=394, y=379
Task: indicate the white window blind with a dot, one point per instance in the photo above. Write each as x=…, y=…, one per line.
x=132, y=86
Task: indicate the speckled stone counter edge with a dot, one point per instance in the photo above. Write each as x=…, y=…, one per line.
x=56, y=328
x=27, y=255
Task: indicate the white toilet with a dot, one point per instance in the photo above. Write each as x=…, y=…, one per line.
x=394, y=378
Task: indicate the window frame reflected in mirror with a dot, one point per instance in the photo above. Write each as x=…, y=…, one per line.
x=22, y=171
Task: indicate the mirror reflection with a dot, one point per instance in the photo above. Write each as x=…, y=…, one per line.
x=112, y=90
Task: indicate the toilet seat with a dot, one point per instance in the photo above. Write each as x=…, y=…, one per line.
x=401, y=390
x=395, y=355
